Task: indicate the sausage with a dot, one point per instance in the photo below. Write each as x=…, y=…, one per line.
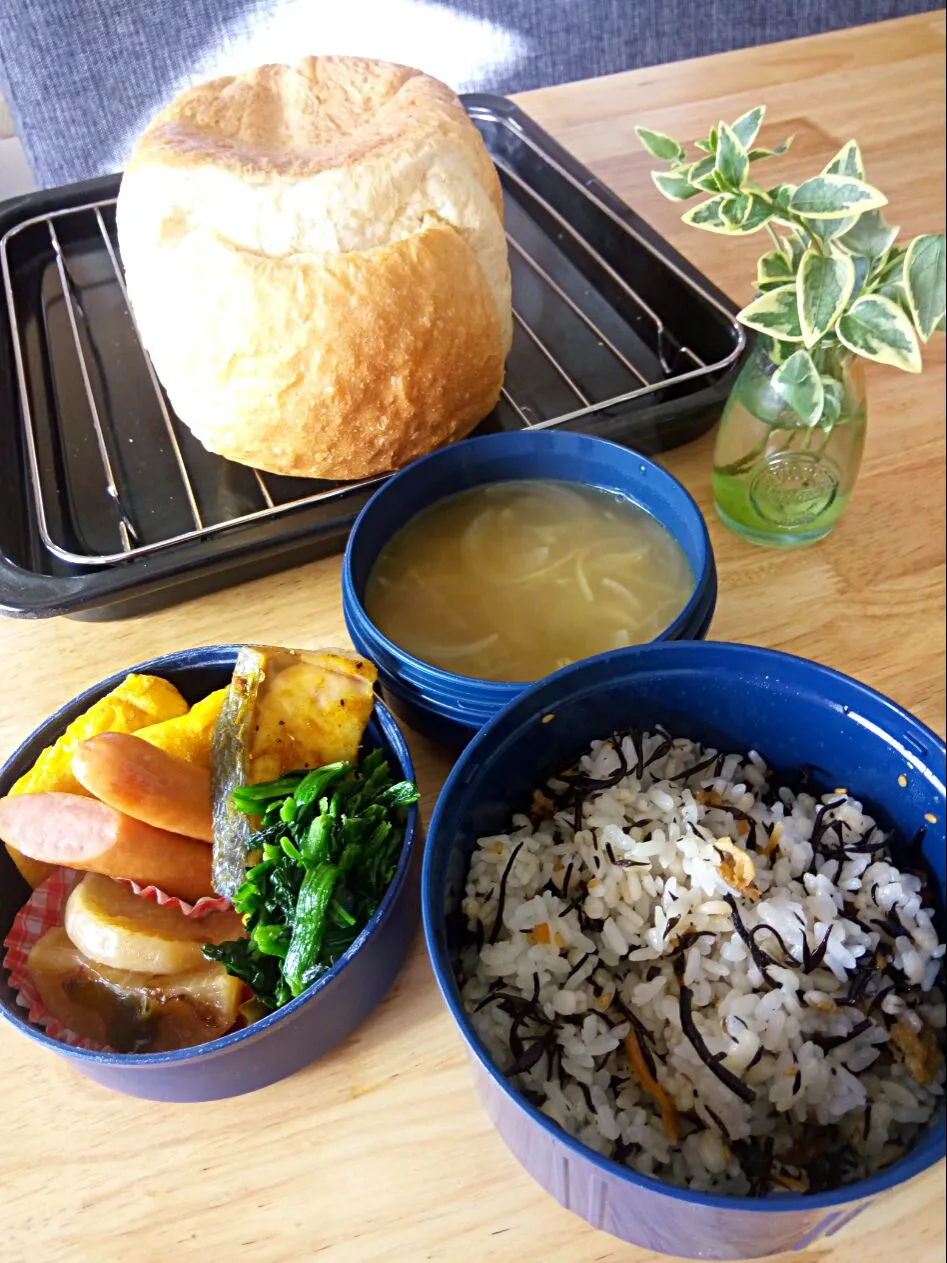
x=79, y=832
x=140, y=780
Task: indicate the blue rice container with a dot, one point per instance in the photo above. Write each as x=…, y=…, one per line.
x=290, y=1038
x=735, y=698
x=450, y=708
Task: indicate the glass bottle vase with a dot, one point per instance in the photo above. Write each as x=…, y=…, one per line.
x=777, y=480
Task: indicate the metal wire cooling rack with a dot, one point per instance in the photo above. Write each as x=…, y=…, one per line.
x=114, y=476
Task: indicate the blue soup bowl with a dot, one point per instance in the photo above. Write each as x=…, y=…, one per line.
x=286, y=1040
x=450, y=708
x=735, y=698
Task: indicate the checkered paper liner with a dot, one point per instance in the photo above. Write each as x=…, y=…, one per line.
x=45, y=910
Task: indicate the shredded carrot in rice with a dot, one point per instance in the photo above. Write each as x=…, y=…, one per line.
x=668, y=1113
x=773, y=843
x=791, y=1183
x=540, y=933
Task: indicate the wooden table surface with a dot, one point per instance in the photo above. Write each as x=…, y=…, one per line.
x=381, y=1150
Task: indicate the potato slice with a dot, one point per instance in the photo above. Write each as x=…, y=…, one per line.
x=132, y=1012
x=113, y=926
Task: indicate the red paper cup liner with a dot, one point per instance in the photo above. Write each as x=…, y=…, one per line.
x=210, y=903
x=45, y=910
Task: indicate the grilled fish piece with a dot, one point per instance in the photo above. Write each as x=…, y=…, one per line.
x=285, y=710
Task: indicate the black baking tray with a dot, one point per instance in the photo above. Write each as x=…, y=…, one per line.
x=111, y=507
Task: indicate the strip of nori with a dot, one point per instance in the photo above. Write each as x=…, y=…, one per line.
x=812, y=960
x=622, y=1150
x=642, y=1030
x=739, y=814
x=726, y=1077
x=688, y=772
x=577, y=966
x=716, y=1118
x=828, y=1042
x=659, y=752
x=501, y=898
x=763, y=926
x=567, y=879
x=580, y=781
x=819, y=826
x=756, y=1159
x=760, y=958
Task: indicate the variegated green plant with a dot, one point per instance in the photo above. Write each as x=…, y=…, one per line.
x=835, y=281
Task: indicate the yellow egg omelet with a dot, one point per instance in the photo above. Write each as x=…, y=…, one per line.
x=138, y=701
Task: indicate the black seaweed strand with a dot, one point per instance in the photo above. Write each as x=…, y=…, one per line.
x=762, y=960
x=501, y=899
x=726, y=1077
x=812, y=960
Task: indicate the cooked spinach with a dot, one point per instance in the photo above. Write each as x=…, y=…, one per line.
x=326, y=848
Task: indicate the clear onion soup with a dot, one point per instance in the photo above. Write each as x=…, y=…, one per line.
x=512, y=580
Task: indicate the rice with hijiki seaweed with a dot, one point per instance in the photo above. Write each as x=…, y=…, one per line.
x=708, y=978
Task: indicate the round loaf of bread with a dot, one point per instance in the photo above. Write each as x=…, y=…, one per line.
x=317, y=266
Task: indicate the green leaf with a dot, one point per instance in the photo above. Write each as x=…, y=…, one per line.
x=869, y=235
x=941, y=326
x=735, y=208
x=747, y=127
x=755, y=154
x=824, y=284
x=674, y=185
x=835, y=196
x=774, y=266
x=708, y=215
x=779, y=352
x=878, y=329
x=890, y=267
x=861, y=266
x=898, y=294
x=794, y=248
x=731, y=162
x=848, y=161
x=781, y=194
x=834, y=398
x=760, y=215
x=704, y=146
x=776, y=314
x=701, y=175
x=799, y=383
x=660, y=146
x=828, y=229
x=925, y=280
x=712, y=215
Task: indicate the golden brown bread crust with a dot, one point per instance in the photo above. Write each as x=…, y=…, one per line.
x=316, y=260
x=322, y=113
x=335, y=415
